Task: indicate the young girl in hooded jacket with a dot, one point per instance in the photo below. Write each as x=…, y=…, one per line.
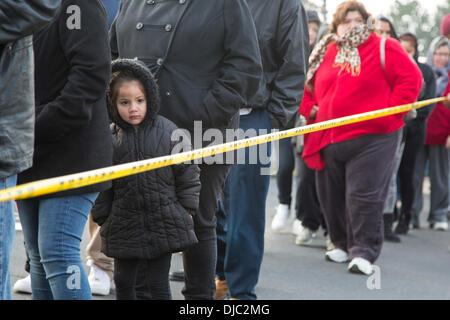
x=146, y=217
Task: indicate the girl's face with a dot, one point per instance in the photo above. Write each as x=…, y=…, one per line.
x=352, y=19
x=131, y=102
x=441, y=57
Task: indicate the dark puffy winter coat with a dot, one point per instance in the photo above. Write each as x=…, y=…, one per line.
x=148, y=214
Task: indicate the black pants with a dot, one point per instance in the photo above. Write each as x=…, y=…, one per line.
x=199, y=260
x=352, y=190
x=286, y=165
x=307, y=203
x=414, y=140
x=156, y=277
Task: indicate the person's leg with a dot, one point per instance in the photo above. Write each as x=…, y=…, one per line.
x=29, y=218
x=158, y=277
x=7, y=231
x=286, y=167
x=61, y=225
x=413, y=142
x=367, y=180
x=199, y=260
x=439, y=184
x=125, y=272
x=249, y=184
x=418, y=176
x=93, y=249
x=284, y=182
x=308, y=202
x=330, y=184
x=221, y=241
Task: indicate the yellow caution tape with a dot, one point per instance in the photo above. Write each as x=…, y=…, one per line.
x=78, y=180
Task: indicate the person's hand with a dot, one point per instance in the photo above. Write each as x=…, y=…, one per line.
x=313, y=113
x=447, y=143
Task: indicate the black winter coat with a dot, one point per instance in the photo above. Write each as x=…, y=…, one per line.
x=203, y=53
x=148, y=214
x=18, y=20
x=283, y=37
x=72, y=71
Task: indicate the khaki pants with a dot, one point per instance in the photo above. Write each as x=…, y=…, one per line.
x=93, y=249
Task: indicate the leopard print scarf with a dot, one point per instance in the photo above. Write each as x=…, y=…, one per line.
x=347, y=57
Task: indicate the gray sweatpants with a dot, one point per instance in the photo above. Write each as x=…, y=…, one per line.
x=352, y=191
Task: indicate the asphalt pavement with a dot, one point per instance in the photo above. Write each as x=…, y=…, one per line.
x=418, y=268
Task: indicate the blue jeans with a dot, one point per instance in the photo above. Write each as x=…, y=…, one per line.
x=53, y=230
x=245, y=203
x=7, y=231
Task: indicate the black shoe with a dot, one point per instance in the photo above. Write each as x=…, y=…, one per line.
x=402, y=226
x=177, y=276
x=389, y=235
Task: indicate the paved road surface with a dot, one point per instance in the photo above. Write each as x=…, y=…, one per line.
x=417, y=268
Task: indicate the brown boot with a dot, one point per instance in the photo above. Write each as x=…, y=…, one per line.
x=221, y=289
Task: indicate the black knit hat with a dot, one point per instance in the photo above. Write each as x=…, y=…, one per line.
x=135, y=69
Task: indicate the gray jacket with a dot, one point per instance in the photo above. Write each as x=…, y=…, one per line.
x=18, y=21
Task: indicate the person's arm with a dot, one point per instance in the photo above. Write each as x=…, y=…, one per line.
x=88, y=54
x=403, y=75
x=23, y=18
x=308, y=107
x=293, y=49
x=102, y=207
x=113, y=36
x=241, y=70
x=187, y=177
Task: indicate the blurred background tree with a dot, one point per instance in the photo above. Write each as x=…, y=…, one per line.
x=410, y=16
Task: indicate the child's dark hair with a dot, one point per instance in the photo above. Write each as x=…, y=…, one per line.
x=117, y=79
x=128, y=70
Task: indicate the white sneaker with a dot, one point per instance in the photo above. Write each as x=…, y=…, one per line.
x=23, y=285
x=99, y=280
x=281, y=217
x=336, y=255
x=440, y=226
x=296, y=227
x=304, y=237
x=360, y=265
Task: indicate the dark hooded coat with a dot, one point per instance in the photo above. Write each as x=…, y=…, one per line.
x=148, y=214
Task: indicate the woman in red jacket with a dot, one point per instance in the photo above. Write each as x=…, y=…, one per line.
x=355, y=162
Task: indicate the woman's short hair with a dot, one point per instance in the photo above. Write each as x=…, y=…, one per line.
x=343, y=9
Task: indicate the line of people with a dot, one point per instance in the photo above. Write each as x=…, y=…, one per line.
x=423, y=146
x=239, y=64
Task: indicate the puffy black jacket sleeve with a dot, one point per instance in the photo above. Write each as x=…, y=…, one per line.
x=102, y=207
x=293, y=49
x=88, y=54
x=241, y=70
x=23, y=18
x=187, y=180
